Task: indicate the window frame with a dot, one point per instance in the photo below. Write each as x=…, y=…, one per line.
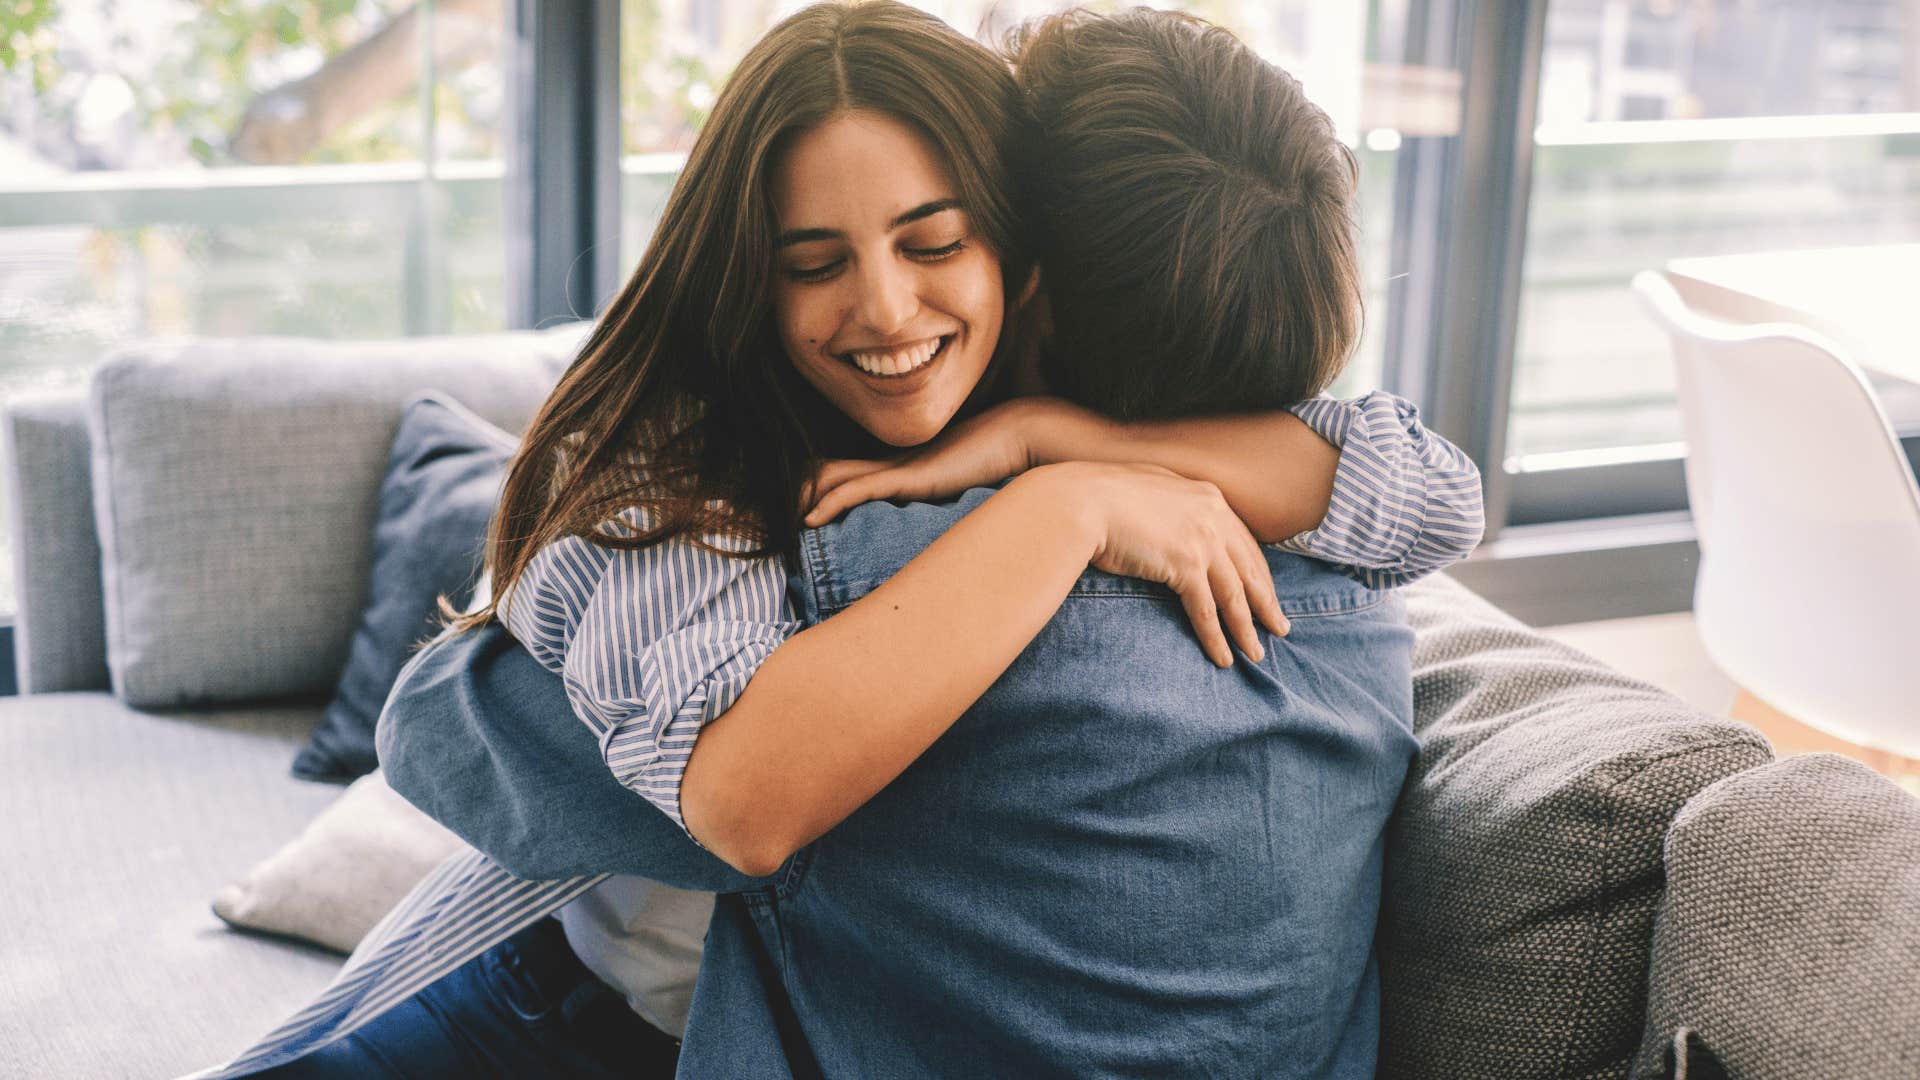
x=562, y=149
x=1452, y=351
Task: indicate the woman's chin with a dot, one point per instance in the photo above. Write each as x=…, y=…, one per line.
x=906, y=436
x=906, y=430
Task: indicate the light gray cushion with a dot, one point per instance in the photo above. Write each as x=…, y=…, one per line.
x=343, y=873
x=235, y=488
x=1523, y=863
x=1789, y=937
x=59, y=640
x=115, y=828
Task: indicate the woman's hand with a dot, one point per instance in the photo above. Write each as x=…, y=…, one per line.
x=1160, y=526
x=984, y=449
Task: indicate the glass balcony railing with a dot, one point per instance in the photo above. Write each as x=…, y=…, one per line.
x=1593, y=378
x=92, y=260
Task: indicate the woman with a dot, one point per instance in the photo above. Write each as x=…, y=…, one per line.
x=633, y=549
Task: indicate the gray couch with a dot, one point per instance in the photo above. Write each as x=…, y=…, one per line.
x=1584, y=874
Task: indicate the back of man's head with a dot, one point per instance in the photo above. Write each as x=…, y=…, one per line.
x=1195, y=214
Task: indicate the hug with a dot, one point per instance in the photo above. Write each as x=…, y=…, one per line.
x=938, y=624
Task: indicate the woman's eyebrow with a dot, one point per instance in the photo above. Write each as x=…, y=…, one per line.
x=924, y=210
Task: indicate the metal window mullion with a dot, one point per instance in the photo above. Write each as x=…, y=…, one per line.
x=1460, y=368
x=424, y=270
x=562, y=186
x=1422, y=184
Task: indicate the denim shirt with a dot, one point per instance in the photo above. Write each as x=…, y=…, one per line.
x=1121, y=861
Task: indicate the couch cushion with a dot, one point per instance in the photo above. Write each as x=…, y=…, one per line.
x=235, y=488
x=1788, y=941
x=118, y=827
x=59, y=639
x=1524, y=862
x=443, y=480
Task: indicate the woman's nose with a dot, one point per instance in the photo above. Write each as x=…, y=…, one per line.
x=889, y=299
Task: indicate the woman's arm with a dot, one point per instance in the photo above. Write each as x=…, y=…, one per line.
x=840, y=709
x=1406, y=502
x=1274, y=470
x=1359, y=483
x=482, y=737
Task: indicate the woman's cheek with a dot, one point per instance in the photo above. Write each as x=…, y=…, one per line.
x=804, y=322
x=985, y=297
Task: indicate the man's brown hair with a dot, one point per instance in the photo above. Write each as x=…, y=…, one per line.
x=1194, y=217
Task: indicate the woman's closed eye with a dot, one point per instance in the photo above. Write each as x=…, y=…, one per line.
x=936, y=254
x=809, y=274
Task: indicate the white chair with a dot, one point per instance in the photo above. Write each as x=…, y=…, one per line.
x=1808, y=519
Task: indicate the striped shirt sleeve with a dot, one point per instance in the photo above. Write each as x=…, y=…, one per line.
x=1406, y=502
x=652, y=645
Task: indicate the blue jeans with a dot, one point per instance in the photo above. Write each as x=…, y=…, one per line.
x=526, y=1007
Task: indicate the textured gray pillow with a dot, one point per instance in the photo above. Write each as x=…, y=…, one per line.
x=1523, y=863
x=236, y=484
x=1789, y=938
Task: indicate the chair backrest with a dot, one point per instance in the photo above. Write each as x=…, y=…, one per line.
x=1809, y=523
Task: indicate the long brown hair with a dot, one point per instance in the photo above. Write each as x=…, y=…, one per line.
x=1194, y=215
x=681, y=401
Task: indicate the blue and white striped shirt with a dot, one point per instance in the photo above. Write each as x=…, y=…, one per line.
x=655, y=643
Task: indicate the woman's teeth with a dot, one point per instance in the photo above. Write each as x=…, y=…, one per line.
x=897, y=361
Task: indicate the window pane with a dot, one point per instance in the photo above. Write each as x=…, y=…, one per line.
x=675, y=57
x=249, y=167
x=1709, y=127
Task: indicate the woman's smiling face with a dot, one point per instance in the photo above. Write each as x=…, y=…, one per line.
x=887, y=300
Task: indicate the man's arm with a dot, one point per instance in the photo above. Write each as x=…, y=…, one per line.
x=482, y=738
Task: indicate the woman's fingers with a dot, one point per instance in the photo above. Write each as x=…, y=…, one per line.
x=838, y=486
x=1259, y=579
x=1196, y=595
x=1230, y=595
x=1160, y=526
x=833, y=502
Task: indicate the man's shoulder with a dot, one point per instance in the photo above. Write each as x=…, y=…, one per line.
x=841, y=562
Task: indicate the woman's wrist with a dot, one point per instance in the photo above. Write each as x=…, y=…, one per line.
x=1060, y=500
x=1054, y=430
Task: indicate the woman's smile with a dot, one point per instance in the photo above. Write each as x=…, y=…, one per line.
x=894, y=366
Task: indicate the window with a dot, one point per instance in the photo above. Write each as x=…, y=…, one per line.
x=247, y=167
x=1670, y=129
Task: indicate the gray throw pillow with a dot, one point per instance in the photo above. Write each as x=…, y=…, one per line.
x=1788, y=942
x=443, y=481
x=236, y=484
x=1524, y=861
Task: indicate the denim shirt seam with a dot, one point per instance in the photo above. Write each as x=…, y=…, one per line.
x=818, y=566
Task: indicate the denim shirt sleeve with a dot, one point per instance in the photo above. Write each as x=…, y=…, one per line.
x=482, y=738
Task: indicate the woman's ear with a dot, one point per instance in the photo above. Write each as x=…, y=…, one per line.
x=1029, y=290
x=1036, y=315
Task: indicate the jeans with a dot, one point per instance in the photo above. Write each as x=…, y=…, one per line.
x=526, y=1007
